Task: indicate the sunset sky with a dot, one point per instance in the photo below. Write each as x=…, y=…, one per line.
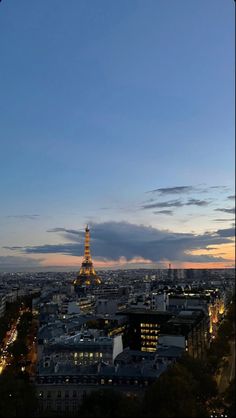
x=119, y=114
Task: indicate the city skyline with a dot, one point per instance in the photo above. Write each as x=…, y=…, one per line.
x=119, y=115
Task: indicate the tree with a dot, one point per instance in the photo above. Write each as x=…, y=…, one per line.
x=229, y=399
x=206, y=385
x=108, y=403
x=17, y=397
x=18, y=349
x=173, y=395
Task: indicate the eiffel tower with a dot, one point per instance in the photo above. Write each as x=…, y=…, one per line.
x=87, y=275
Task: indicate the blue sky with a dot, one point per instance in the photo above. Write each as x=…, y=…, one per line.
x=104, y=101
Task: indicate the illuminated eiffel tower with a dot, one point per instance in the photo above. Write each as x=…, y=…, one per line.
x=87, y=274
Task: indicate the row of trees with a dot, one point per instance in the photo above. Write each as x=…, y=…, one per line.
x=17, y=395
x=12, y=313
x=19, y=349
x=182, y=391
x=220, y=347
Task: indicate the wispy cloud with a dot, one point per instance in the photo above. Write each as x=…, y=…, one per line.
x=218, y=187
x=170, y=203
x=10, y=261
x=172, y=190
x=180, y=190
x=163, y=212
x=176, y=203
x=226, y=210
x=197, y=202
x=31, y=217
x=223, y=219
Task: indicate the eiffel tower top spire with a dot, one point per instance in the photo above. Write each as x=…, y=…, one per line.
x=87, y=254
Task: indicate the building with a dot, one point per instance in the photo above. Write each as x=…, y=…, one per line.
x=143, y=328
x=61, y=388
x=159, y=301
x=84, y=348
x=2, y=305
x=193, y=326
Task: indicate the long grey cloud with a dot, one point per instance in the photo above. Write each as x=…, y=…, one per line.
x=169, y=204
x=164, y=191
x=176, y=203
x=173, y=190
x=223, y=220
x=31, y=217
x=11, y=261
x=163, y=212
x=226, y=210
x=112, y=240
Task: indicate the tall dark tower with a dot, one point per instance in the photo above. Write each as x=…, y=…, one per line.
x=87, y=275
x=169, y=274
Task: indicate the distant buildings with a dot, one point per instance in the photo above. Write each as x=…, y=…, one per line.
x=84, y=348
x=122, y=332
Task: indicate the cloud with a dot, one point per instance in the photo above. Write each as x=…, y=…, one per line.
x=31, y=217
x=172, y=190
x=219, y=187
x=223, y=220
x=170, y=203
x=163, y=212
x=226, y=210
x=228, y=232
x=179, y=190
x=10, y=261
x=197, y=202
x=231, y=197
x=113, y=240
x=176, y=203
x=69, y=231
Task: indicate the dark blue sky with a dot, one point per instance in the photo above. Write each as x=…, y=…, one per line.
x=102, y=101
